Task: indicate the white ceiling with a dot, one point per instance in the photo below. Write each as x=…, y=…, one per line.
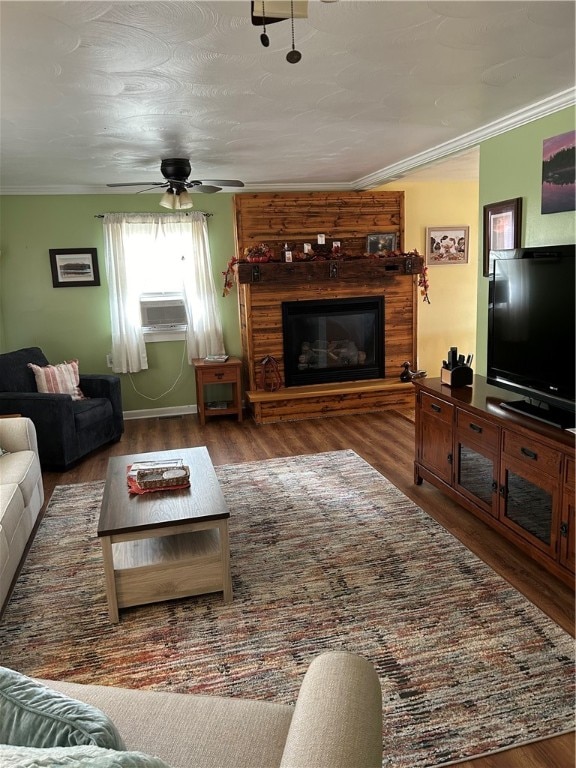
x=99, y=92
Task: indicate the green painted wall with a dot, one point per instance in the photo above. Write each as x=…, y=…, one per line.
x=74, y=322
x=510, y=167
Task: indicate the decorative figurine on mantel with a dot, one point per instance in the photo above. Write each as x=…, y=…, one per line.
x=408, y=375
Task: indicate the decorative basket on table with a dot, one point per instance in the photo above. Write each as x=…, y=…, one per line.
x=163, y=478
x=158, y=476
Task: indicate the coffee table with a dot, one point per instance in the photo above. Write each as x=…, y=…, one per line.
x=166, y=544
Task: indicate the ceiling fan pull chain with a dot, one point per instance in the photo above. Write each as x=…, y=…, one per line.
x=293, y=56
x=264, y=39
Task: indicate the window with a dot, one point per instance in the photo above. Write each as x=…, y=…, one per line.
x=161, y=286
x=157, y=259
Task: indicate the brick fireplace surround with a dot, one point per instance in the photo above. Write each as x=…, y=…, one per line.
x=347, y=217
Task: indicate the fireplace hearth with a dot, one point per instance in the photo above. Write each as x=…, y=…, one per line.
x=333, y=340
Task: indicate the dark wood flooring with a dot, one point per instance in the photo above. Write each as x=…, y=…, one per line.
x=386, y=441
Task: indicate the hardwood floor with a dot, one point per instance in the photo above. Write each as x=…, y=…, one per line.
x=386, y=441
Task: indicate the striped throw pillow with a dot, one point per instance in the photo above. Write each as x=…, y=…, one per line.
x=62, y=379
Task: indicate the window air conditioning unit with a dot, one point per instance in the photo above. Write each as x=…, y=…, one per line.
x=163, y=314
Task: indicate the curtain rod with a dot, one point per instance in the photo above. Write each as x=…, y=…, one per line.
x=101, y=215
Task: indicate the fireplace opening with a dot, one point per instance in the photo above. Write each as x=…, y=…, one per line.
x=331, y=340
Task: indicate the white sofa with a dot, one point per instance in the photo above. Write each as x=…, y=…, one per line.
x=336, y=721
x=21, y=494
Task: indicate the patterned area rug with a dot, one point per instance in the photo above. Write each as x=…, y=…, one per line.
x=326, y=553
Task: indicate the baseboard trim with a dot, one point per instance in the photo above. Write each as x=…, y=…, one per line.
x=160, y=413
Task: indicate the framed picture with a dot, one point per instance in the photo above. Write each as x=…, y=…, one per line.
x=74, y=267
x=558, y=173
x=447, y=245
x=502, y=224
x=380, y=242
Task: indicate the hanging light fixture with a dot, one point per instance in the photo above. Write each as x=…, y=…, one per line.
x=184, y=200
x=168, y=199
x=176, y=199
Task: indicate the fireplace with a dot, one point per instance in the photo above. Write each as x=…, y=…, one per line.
x=333, y=340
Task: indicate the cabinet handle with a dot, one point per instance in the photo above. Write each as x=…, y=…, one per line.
x=475, y=428
x=530, y=454
x=564, y=529
x=503, y=491
x=494, y=486
x=436, y=408
x=450, y=458
x=219, y=375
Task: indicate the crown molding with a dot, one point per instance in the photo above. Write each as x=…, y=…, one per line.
x=523, y=116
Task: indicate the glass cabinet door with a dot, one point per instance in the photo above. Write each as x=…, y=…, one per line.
x=476, y=476
x=529, y=507
x=568, y=517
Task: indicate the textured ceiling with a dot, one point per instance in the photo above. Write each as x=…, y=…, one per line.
x=99, y=92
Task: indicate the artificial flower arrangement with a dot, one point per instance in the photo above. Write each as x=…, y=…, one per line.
x=255, y=253
x=258, y=253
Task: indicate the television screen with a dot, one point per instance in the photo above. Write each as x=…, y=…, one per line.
x=531, y=338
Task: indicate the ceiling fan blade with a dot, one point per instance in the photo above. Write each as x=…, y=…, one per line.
x=224, y=182
x=138, y=184
x=207, y=189
x=148, y=189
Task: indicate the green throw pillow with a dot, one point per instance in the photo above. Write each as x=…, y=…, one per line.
x=32, y=715
x=84, y=756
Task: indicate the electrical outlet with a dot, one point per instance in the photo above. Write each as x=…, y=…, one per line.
x=109, y=360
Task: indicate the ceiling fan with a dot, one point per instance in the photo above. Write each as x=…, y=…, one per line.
x=176, y=172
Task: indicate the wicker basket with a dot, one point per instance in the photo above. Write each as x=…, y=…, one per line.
x=159, y=477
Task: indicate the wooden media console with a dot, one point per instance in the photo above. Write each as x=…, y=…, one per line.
x=513, y=472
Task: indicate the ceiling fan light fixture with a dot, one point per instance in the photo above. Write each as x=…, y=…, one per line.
x=168, y=199
x=183, y=200
x=176, y=172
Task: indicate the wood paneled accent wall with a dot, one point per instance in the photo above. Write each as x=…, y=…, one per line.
x=297, y=218
x=301, y=216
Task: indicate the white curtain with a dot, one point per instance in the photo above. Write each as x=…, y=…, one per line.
x=204, y=335
x=128, y=347
x=123, y=237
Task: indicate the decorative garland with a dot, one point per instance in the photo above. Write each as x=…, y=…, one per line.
x=423, y=284
x=230, y=275
x=262, y=253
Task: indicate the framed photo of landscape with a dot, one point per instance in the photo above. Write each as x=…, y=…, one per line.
x=502, y=225
x=74, y=267
x=447, y=245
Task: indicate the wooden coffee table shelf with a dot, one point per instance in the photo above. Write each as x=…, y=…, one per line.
x=167, y=544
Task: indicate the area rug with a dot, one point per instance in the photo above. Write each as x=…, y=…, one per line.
x=326, y=554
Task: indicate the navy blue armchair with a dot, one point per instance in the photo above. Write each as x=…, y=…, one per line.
x=67, y=429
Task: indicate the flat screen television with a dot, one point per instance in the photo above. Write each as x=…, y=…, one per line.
x=531, y=338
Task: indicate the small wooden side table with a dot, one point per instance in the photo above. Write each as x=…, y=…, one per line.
x=229, y=372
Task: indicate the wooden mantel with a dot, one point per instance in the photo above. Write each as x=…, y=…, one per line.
x=321, y=271
x=263, y=287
